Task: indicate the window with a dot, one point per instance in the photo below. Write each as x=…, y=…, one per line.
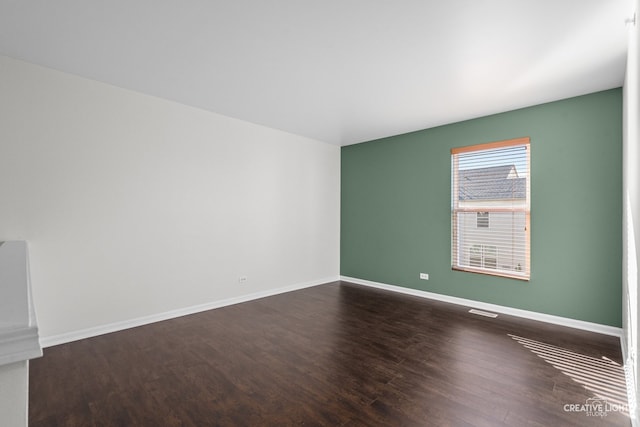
x=482, y=220
x=491, y=181
x=484, y=256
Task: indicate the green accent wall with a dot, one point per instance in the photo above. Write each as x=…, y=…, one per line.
x=396, y=209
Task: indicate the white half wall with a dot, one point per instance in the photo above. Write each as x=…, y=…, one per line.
x=14, y=394
x=631, y=213
x=134, y=205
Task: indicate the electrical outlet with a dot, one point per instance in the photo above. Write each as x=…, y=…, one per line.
x=242, y=279
x=424, y=276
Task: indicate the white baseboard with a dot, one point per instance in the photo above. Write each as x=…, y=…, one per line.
x=145, y=320
x=548, y=318
x=126, y=324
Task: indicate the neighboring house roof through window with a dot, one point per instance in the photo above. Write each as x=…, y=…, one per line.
x=491, y=183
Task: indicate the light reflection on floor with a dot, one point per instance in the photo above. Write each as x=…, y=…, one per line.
x=603, y=377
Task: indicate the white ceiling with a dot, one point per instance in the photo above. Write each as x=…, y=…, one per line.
x=340, y=71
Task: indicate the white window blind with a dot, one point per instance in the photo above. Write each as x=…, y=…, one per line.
x=490, y=208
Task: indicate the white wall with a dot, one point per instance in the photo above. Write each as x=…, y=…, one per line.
x=631, y=208
x=133, y=205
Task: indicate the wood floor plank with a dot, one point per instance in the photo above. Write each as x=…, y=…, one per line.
x=332, y=355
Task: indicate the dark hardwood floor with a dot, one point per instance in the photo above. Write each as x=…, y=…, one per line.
x=336, y=355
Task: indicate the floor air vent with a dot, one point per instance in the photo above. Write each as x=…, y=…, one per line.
x=483, y=313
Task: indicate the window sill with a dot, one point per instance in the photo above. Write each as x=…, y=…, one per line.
x=496, y=273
